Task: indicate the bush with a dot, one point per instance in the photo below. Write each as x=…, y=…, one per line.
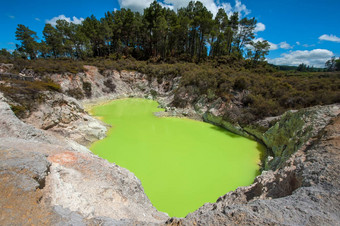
x=76, y=93
x=262, y=107
x=109, y=84
x=240, y=84
x=271, y=92
x=26, y=94
x=153, y=93
x=50, y=85
x=87, y=89
x=43, y=66
x=18, y=110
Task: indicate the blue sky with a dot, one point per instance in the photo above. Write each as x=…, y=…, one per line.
x=299, y=31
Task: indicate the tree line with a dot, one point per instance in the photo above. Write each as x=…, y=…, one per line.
x=192, y=33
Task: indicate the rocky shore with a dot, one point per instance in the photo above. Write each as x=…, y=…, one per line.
x=304, y=191
x=48, y=176
x=47, y=179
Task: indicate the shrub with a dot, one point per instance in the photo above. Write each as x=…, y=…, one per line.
x=271, y=92
x=87, y=89
x=240, y=84
x=109, y=84
x=43, y=66
x=26, y=94
x=153, y=93
x=50, y=85
x=18, y=110
x=76, y=93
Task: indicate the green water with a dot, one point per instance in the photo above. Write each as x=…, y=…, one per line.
x=181, y=163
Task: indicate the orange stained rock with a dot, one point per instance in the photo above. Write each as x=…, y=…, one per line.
x=90, y=70
x=63, y=158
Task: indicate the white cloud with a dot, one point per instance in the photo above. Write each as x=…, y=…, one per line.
x=241, y=8
x=285, y=45
x=180, y=3
x=74, y=20
x=227, y=8
x=37, y=19
x=307, y=45
x=272, y=45
x=331, y=38
x=212, y=5
x=298, y=43
x=165, y=5
x=259, y=27
x=11, y=16
x=315, y=57
x=135, y=5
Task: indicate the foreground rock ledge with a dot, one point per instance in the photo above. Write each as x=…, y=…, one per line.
x=49, y=179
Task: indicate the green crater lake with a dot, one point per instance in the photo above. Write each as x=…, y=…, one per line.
x=182, y=163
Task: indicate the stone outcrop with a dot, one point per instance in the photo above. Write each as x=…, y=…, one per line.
x=294, y=129
x=112, y=84
x=47, y=179
x=65, y=116
x=5, y=68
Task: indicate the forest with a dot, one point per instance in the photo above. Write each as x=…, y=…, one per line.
x=192, y=33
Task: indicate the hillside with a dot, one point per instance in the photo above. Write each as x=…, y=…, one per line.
x=248, y=94
x=47, y=166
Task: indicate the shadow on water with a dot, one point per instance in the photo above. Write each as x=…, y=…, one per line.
x=259, y=146
x=263, y=151
x=226, y=132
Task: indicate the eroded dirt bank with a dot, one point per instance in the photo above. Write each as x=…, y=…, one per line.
x=49, y=177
